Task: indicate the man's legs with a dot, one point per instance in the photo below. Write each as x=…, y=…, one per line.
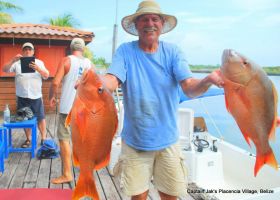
x=27, y=142
x=164, y=196
x=63, y=135
x=142, y=196
x=170, y=173
x=65, y=154
x=43, y=128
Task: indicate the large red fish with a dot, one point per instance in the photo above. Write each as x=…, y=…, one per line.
x=251, y=98
x=93, y=120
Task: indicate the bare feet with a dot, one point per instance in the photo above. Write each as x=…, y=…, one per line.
x=62, y=179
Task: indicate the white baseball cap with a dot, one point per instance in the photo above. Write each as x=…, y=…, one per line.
x=77, y=44
x=27, y=44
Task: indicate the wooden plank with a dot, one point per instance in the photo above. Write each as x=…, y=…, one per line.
x=110, y=191
x=55, y=172
x=98, y=184
x=116, y=182
x=32, y=174
x=10, y=169
x=19, y=175
x=43, y=179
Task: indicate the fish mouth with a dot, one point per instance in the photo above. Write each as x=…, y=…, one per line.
x=227, y=53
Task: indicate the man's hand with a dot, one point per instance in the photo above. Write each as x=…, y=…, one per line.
x=34, y=66
x=16, y=58
x=216, y=79
x=78, y=82
x=53, y=102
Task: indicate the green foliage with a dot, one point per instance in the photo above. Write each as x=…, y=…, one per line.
x=65, y=20
x=203, y=68
x=88, y=54
x=272, y=70
x=9, y=6
x=275, y=70
x=6, y=18
x=100, y=62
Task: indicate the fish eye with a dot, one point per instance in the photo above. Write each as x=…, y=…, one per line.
x=100, y=90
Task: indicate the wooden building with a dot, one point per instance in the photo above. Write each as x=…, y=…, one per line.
x=51, y=44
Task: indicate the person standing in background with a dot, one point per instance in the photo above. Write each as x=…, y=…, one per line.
x=68, y=73
x=29, y=88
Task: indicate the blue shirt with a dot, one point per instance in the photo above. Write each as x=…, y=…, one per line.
x=150, y=85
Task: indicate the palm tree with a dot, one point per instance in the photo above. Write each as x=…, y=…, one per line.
x=6, y=18
x=66, y=20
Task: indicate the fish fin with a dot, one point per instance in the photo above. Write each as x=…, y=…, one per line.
x=75, y=160
x=68, y=119
x=229, y=87
x=81, y=121
x=268, y=159
x=246, y=137
x=227, y=105
x=85, y=187
x=104, y=163
x=271, y=134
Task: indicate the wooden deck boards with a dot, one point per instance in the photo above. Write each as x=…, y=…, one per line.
x=23, y=172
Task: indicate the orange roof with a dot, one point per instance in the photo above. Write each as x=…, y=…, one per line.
x=43, y=31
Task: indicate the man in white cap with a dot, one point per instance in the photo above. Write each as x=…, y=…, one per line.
x=69, y=71
x=29, y=88
x=150, y=73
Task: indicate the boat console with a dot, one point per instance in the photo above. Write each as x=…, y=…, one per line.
x=202, y=157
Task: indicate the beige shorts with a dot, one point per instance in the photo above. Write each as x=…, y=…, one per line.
x=137, y=168
x=62, y=132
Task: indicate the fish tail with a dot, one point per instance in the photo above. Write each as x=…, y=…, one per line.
x=85, y=187
x=268, y=159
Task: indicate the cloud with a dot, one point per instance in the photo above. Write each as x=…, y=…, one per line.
x=269, y=21
x=255, y=5
x=96, y=29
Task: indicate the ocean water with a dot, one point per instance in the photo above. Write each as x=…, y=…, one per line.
x=224, y=124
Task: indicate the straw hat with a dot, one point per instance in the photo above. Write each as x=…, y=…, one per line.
x=148, y=7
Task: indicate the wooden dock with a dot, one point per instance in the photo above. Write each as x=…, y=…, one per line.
x=23, y=172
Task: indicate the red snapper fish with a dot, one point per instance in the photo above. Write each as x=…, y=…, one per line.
x=93, y=120
x=251, y=98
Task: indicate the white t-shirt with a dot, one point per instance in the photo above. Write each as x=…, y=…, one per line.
x=68, y=92
x=28, y=85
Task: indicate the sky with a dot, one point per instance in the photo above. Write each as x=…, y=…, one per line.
x=204, y=29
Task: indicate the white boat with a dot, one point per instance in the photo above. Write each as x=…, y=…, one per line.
x=227, y=173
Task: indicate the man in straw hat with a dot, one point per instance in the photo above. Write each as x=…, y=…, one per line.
x=150, y=72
